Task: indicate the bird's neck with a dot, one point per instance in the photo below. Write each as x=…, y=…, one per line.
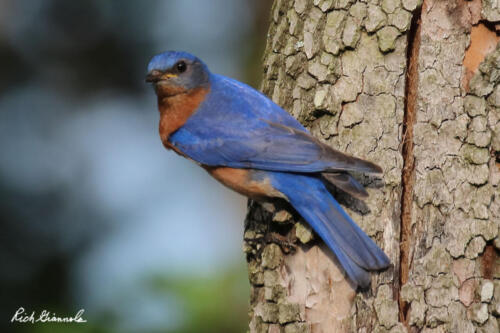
x=175, y=110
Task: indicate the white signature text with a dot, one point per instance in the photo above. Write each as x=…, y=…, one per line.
x=21, y=316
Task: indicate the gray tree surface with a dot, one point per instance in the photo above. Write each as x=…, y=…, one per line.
x=413, y=87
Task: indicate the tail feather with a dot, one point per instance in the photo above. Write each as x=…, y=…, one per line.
x=357, y=274
x=356, y=252
x=346, y=183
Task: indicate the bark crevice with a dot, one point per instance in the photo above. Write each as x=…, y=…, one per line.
x=408, y=172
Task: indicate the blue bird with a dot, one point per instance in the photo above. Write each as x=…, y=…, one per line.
x=256, y=148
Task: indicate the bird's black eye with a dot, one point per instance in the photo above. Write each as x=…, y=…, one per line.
x=181, y=66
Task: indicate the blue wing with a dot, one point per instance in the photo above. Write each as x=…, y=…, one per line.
x=237, y=126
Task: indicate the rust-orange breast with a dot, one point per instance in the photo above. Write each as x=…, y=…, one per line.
x=240, y=180
x=176, y=110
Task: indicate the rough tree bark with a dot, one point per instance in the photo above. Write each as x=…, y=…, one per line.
x=415, y=88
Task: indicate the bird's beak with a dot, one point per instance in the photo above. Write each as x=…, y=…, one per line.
x=153, y=76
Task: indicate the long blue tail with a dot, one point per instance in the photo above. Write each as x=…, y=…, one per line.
x=356, y=252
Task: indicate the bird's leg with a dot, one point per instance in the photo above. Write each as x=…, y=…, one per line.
x=286, y=243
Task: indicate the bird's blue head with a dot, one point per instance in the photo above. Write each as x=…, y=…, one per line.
x=174, y=72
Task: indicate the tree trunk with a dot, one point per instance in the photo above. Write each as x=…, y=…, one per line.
x=414, y=88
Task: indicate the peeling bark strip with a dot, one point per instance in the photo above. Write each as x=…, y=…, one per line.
x=483, y=41
x=408, y=175
x=357, y=75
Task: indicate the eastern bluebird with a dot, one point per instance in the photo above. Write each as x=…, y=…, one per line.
x=256, y=148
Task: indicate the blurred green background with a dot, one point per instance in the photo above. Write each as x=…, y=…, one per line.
x=94, y=213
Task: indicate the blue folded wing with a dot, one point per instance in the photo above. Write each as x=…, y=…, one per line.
x=237, y=126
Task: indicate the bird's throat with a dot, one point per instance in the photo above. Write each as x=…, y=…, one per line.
x=175, y=110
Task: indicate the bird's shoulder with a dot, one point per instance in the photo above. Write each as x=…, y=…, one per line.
x=232, y=101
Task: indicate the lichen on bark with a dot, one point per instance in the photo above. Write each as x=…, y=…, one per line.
x=456, y=210
x=339, y=67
